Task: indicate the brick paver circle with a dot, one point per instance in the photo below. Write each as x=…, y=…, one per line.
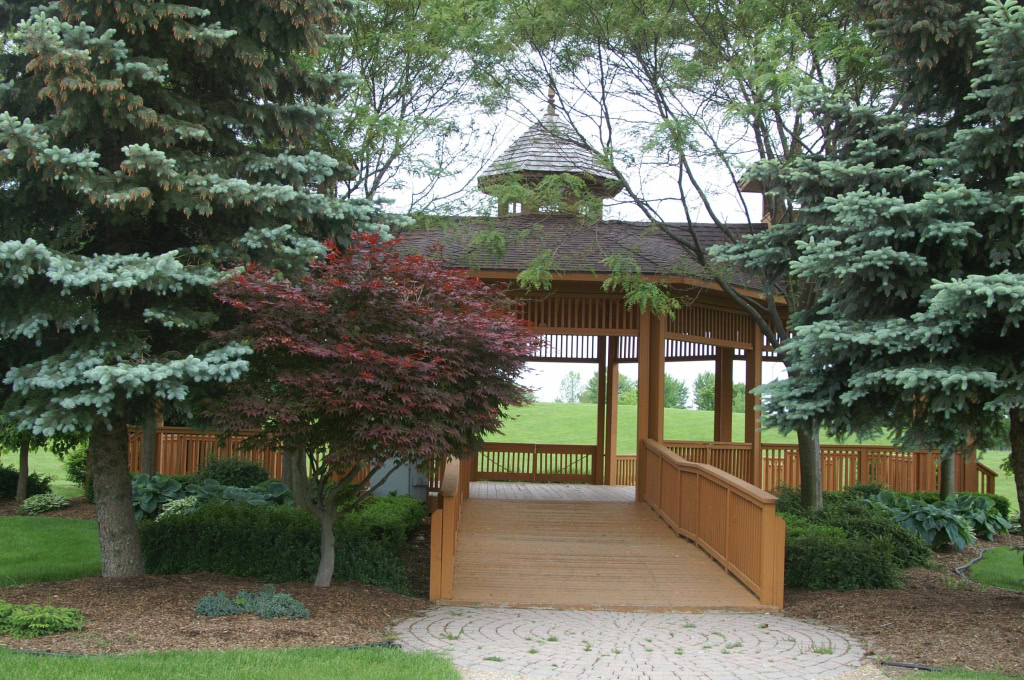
x=612, y=645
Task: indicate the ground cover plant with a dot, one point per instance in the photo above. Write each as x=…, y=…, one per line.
x=33, y=620
x=955, y=521
x=266, y=604
x=43, y=502
x=309, y=664
x=38, y=549
x=1001, y=567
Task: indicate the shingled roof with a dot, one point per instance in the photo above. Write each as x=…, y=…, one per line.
x=549, y=146
x=575, y=246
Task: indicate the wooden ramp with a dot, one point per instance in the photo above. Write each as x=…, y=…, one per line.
x=583, y=554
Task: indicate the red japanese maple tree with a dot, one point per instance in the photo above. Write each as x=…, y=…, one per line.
x=375, y=357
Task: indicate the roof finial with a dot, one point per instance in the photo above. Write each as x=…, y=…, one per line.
x=551, y=97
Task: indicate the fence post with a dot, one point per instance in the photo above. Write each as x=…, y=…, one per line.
x=863, y=473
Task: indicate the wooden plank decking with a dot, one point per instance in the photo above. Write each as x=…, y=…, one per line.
x=598, y=554
x=551, y=492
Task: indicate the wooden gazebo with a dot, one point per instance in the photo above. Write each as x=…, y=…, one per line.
x=714, y=493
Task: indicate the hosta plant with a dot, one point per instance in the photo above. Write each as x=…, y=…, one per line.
x=981, y=514
x=265, y=493
x=43, y=502
x=936, y=523
x=182, y=506
x=149, y=494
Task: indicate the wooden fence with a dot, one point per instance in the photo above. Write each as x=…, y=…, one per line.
x=535, y=463
x=841, y=466
x=733, y=521
x=183, y=451
x=444, y=526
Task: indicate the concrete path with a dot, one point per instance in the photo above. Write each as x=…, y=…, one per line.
x=610, y=645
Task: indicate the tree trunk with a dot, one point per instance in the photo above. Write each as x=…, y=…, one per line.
x=148, y=462
x=810, y=465
x=286, y=471
x=22, y=491
x=947, y=477
x=326, y=570
x=120, y=549
x=1017, y=452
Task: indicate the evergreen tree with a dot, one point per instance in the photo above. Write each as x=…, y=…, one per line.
x=910, y=231
x=145, y=148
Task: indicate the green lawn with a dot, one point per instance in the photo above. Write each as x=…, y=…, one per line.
x=304, y=664
x=1002, y=568
x=46, y=464
x=577, y=424
x=1004, y=482
x=37, y=549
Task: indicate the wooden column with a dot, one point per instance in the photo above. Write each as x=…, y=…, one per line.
x=611, y=422
x=752, y=421
x=723, y=394
x=596, y=472
x=650, y=408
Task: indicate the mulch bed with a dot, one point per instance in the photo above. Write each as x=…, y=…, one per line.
x=155, y=613
x=78, y=509
x=936, y=619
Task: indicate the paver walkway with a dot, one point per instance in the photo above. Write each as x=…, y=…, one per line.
x=610, y=645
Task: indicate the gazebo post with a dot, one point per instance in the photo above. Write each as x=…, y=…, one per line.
x=611, y=422
x=650, y=409
x=723, y=394
x=597, y=465
x=752, y=417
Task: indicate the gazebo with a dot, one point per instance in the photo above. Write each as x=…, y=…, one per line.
x=708, y=491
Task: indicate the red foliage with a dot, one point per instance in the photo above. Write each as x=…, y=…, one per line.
x=375, y=355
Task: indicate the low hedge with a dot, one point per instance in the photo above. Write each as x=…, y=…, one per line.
x=233, y=472
x=280, y=543
x=846, y=544
x=9, y=483
x=821, y=557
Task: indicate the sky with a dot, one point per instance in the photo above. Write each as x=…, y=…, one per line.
x=545, y=378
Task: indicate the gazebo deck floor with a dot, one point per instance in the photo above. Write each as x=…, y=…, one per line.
x=583, y=555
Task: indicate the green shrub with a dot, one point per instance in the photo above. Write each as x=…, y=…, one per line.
x=265, y=604
x=233, y=472
x=75, y=466
x=389, y=519
x=280, y=543
x=820, y=557
x=848, y=513
x=9, y=483
x=43, y=502
x=33, y=620
x=275, y=543
x=864, y=489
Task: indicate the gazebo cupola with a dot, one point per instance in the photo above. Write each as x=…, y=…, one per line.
x=549, y=169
